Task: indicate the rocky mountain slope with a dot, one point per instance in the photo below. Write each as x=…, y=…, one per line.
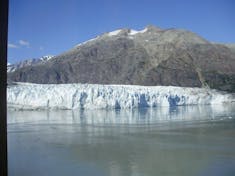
x=149, y=57
x=231, y=46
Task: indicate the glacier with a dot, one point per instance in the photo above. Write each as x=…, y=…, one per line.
x=96, y=96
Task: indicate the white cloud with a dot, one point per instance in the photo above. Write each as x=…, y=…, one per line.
x=10, y=45
x=41, y=48
x=24, y=43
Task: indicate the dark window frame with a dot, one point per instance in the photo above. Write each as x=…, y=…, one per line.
x=4, y=5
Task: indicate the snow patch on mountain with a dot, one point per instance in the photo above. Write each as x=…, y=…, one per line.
x=130, y=33
x=113, y=33
x=46, y=58
x=93, y=39
x=94, y=96
x=134, y=32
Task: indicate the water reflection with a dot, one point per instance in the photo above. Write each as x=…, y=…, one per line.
x=125, y=142
x=134, y=116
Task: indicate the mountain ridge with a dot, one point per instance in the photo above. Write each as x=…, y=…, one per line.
x=150, y=57
x=27, y=62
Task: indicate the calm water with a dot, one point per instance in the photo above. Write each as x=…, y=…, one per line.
x=195, y=140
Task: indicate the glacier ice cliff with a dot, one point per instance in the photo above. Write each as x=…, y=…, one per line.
x=94, y=96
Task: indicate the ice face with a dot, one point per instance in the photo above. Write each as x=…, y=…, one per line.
x=94, y=96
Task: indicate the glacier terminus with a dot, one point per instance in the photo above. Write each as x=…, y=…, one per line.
x=96, y=96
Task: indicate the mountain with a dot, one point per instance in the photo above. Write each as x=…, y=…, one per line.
x=150, y=57
x=27, y=62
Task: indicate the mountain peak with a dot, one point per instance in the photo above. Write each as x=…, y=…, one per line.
x=126, y=32
x=151, y=56
x=116, y=32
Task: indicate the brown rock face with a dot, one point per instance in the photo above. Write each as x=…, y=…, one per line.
x=149, y=57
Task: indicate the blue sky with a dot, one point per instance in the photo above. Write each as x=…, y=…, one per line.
x=44, y=27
